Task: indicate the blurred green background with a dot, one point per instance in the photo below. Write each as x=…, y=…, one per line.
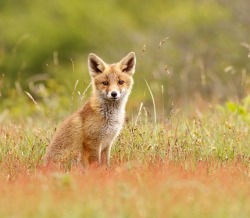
x=188, y=51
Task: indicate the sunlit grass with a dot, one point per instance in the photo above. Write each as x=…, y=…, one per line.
x=179, y=167
x=212, y=136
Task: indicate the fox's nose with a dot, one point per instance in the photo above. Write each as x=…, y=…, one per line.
x=113, y=94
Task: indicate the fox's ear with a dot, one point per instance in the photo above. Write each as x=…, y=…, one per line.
x=96, y=65
x=127, y=64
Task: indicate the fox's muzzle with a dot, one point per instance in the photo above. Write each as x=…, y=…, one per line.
x=114, y=95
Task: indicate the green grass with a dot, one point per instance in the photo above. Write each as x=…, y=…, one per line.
x=208, y=137
x=186, y=166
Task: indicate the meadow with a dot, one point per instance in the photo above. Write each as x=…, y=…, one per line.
x=184, y=150
x=195, y=166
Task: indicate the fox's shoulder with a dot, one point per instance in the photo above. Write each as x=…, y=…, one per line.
x=89, y=112
x=79, y=116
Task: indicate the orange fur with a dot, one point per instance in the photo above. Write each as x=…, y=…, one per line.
x=88, y=134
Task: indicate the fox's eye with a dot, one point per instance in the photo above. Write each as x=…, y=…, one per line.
x=120, y=82
x=105, y=83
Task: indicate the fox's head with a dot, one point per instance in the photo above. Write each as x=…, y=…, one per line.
x=112, y=81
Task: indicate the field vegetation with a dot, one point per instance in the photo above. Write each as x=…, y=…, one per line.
x=184, y=151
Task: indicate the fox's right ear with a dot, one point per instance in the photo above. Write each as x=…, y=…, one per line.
x=96, y=65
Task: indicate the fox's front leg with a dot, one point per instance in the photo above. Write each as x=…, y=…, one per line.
x=105, y=156
x=85, y=157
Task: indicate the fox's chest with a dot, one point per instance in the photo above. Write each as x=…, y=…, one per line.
x=105, y=128
x=102, y=124
x=112, y=125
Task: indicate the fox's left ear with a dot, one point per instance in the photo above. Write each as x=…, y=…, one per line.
x=127, y=64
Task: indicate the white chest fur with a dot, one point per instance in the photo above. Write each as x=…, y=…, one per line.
x=113, y=114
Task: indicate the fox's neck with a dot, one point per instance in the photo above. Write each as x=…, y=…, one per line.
x=108, y=108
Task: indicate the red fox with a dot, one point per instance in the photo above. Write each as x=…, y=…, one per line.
x=89, y=133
